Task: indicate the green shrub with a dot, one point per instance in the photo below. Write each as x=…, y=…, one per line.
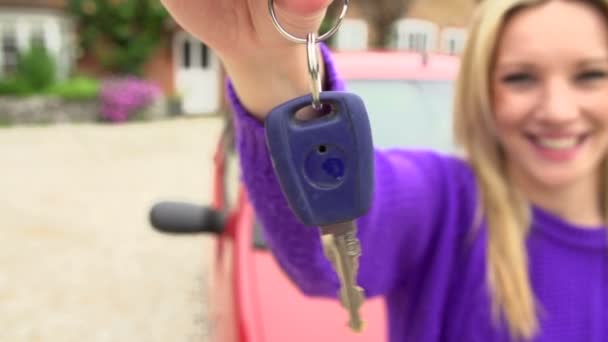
x=121, y=35
x=37, y=68
x=15, y=86
x=76, y=88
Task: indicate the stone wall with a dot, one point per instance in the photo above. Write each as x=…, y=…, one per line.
x=46, y=109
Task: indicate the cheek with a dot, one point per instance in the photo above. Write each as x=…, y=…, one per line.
x=510, y=110
x=596, y=105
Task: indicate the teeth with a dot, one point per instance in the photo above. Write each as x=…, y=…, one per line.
x=558, y=143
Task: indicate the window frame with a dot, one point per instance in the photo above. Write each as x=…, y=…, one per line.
x=9, y=28
x=407, y=32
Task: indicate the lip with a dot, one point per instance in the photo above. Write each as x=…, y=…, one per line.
x=558, y=154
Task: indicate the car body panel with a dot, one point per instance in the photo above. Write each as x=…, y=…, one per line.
x=253, y=299
x=287, y=315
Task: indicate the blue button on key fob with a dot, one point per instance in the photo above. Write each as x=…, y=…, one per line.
x=325, y=165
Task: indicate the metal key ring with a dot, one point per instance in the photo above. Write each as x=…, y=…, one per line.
x=314, y=69
x=298, y=40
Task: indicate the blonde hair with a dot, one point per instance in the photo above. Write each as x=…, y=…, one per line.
x=506, y=212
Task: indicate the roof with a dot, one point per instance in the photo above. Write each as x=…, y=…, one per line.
x=55, y=4
x=395, y=65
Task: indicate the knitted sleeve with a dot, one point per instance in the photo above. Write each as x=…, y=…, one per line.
x=394, y=234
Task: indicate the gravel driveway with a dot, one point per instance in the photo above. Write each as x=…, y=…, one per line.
x=78, y=260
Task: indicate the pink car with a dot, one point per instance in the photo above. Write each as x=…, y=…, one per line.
x=409, y=98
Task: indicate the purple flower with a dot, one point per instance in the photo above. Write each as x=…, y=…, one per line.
x=122, y=98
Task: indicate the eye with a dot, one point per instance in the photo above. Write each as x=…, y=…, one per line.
x=591, y=75
x=518, y=79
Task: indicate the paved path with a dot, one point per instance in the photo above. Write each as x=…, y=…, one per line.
x=78, y=260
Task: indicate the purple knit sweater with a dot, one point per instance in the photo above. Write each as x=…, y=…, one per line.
x=420, y=253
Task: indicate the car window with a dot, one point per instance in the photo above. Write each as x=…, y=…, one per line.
x=408, y=113
x=415, y=114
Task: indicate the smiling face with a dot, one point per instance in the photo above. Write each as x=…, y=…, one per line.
x=550, y=94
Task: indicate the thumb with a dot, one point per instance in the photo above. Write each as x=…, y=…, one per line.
x=304, y=7
x=301, y=17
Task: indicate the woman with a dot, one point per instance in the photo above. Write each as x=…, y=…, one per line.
x=508, y=243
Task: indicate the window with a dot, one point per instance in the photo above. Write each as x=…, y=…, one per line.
x=186, y=48
x=353, y=35
x=10, y=51
x=453, y=40
x=403, y=114
x=408, y=113
x=204, y=56
x=232, y=176
x=417, y=42
x=194, y=54
x=37, y=34
x=415, y=34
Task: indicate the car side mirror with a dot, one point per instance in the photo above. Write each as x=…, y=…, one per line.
x=186, y=218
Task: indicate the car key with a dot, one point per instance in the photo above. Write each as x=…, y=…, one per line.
x=325, y=168
x=343, y=251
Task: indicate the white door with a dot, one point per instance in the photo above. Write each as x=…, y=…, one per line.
x=197, y=75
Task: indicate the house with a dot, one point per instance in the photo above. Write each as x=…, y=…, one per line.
x=23, y=21
x=429, y=25
x=187, y=67
x=426, y=25
x=183, y=65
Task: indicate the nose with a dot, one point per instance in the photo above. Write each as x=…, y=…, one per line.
x=558, y=104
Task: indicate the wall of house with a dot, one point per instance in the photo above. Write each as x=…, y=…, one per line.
x=21, y=25
x=446, y=13
x=160, y=67
x=440, y=17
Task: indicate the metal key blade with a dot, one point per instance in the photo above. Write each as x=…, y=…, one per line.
x=345, y=258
